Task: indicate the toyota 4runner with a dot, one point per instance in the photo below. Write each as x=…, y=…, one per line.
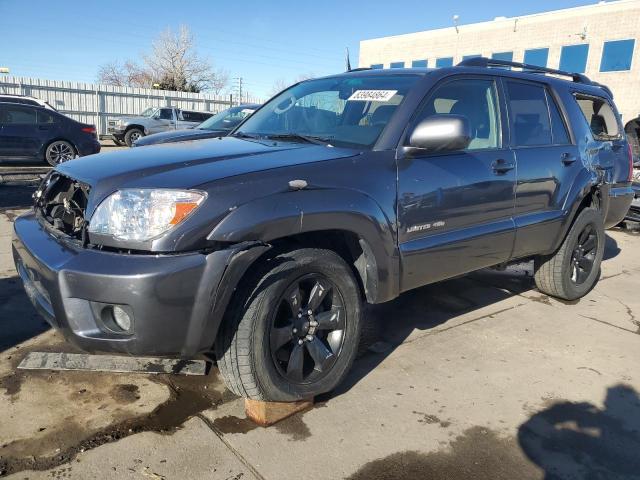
x=263, y=246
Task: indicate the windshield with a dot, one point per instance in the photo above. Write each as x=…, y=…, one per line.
x=149, y=112
x=227, y=119
x=344, y=111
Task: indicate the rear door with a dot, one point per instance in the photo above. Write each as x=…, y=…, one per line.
x=548, y=162
x=455, y=210
x=19, y=135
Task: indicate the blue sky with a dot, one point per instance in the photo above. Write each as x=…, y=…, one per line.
x=261, y=41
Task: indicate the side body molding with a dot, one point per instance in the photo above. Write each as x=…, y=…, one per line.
x=314, y=210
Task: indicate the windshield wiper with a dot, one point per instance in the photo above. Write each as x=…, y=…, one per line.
x=299, y=136
x=245, y=135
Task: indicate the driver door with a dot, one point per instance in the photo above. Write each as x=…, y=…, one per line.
x=455, y=209
x=162, y=121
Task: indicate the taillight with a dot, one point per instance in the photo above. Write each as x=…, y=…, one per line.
x=89, y=129
x=630, y=154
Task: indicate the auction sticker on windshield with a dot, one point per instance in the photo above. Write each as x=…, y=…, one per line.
x=372, y=95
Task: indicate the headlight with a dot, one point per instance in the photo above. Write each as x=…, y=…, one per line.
x=142, y=214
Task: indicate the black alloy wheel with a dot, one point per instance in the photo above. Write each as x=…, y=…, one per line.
x=584, y=255
x=308, y=329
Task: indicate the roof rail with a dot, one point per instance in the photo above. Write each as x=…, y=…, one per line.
x=490, y=62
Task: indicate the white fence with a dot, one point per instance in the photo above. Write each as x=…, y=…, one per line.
x=91, y=103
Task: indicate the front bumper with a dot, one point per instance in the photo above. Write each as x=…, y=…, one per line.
x=619, y=200
x=177, y=301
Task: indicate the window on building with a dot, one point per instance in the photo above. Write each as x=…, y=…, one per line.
x=506, y=56
x=473, y=99
x=474, y=55
x=573, y=58
x=600, y=117
x=419, y=64
x=536, y=56
x=377, y=66
x=616, y=55
x=444, y=62
x=529, y=115
x=397, y=64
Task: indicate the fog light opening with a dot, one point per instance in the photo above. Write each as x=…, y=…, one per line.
x=120, y=317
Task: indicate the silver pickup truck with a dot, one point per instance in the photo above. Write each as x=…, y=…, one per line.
x=126, y=130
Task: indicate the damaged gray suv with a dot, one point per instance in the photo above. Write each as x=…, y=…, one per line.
x=262, y=247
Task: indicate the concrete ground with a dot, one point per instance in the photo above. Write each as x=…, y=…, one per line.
x=480, y=377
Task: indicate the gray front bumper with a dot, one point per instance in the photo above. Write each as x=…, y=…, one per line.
x=177, y=300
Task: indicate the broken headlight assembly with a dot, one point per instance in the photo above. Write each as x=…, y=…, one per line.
x=143, y=214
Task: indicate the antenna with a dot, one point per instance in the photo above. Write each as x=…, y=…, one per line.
x=456, y=17
x=347, y=61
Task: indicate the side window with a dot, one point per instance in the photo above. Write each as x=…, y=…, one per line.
x=19, y=115
x=528, y=114
x=46, y=117
x=473, y=99
x=166, y=114
x=558, y=127
x=600, y=117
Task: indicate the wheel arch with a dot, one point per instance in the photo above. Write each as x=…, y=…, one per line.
x=347, y=222
x=45, y=145
x=586, y=192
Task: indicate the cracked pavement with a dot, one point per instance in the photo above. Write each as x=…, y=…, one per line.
x=478, y=377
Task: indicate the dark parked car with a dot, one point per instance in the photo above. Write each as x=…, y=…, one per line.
x=263, y=245
x=220, y=125
x=25, y=100
x=38, y=133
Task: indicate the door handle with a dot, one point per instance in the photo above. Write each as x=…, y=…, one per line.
x=501, y=166
x=567, y=158
x=42, y=127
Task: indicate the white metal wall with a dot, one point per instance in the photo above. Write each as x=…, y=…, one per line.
x=91, y=103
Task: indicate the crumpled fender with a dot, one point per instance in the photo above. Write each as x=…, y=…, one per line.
x=312, y=210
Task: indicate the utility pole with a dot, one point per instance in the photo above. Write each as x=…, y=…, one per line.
x=239, y=88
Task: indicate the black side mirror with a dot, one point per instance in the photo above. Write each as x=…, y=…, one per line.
x=441, y=133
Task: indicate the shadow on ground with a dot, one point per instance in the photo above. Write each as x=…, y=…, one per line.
x=581, y=440
x=19, y=321
x=566, y=440
x=389, y=324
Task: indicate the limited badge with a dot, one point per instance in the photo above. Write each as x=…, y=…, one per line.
x=372, y=95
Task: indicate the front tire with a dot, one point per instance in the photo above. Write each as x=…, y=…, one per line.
x=293, y=328
x=574, y=269
x=118, y=142
x=58, y=152
x=132, y=135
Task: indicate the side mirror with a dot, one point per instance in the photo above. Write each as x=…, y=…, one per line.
x=441, y=133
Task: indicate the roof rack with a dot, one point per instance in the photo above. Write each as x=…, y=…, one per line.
x=490, y=62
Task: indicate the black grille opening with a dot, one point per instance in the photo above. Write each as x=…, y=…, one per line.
x=62, y=202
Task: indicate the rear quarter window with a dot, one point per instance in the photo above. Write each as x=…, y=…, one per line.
x=600, y=116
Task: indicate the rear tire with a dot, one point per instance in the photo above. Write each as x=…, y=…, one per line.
x=59, y=151
x=132, y=135
x=269, y=348
x=573, y=270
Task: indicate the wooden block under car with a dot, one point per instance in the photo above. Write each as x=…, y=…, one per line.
x=266, y=414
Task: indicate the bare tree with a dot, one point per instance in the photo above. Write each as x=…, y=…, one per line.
x=220, y=81
x=173, y=64
x=280, y=84
x=128, y=74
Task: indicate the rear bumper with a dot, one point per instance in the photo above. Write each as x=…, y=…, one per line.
x=88, y=147
x=177, y=301
x=619, y=200
x=633, y=213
